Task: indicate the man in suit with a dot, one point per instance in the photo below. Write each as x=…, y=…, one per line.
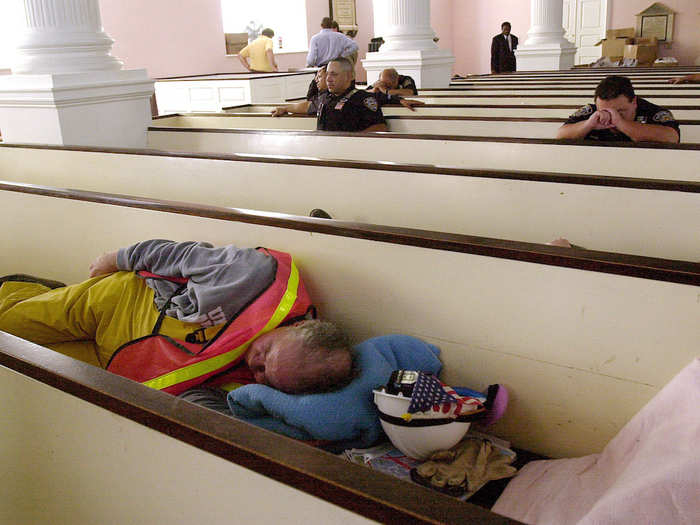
x=502, y=47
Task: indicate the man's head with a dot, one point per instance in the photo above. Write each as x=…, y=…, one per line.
x=615, y=93
x=268, y=32
x=326, y=23
x=335, y=26
x=306, y=357
x=320, y=79
x=390, y=77
x=339, y=75
x=505, y=28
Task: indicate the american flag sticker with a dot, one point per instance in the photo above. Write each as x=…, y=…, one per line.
x=430, y=394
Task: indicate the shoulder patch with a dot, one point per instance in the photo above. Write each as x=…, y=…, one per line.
x=663, y=116
x=585, y=110
x=370, y=103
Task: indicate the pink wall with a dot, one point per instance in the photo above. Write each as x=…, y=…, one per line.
x=476, y=22
x=686, y=32
x=442, y=22
x=186, y=37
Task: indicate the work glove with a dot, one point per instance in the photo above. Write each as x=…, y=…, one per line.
x=465, y=468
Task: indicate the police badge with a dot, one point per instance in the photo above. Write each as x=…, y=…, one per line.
x=663, y=116
x=583, y=111
x=371, y=103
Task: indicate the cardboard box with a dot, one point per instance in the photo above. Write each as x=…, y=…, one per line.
x=235, y=42
x=625, y=32
x=615, y=41
x=645, y=50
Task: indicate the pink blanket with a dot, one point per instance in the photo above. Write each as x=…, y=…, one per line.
x=648, y=474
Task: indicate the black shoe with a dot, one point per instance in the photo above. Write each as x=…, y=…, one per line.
x=24, y=278
x=320, y=214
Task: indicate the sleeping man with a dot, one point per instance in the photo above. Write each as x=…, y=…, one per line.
x=175, y=315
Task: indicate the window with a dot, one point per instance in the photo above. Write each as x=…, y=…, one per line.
x=12, y=22
x=286, y=18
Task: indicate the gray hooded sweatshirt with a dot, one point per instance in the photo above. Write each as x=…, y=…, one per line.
x=222, y=281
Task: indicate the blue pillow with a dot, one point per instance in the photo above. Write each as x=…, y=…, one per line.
x=346, y=415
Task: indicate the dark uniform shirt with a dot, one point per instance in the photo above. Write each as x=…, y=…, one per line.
x=352, y=111
x=406, y=82
x=383, y=99
x=647, y=113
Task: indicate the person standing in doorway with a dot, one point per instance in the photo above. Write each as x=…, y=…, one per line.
x=503, y=46
x=262, y=58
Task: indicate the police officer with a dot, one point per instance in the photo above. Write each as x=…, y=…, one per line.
x=620, y=115
x=344, y=108
x=391, y=83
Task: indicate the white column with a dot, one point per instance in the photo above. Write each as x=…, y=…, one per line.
x=545, y=47
x=66, y=88
x=409, y=46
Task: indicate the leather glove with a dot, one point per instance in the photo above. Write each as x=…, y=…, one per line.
x=465, y=468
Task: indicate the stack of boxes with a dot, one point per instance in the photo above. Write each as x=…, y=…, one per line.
x=620, y=44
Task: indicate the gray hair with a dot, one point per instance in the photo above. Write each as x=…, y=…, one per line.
x=345, y=64
x=329, y=348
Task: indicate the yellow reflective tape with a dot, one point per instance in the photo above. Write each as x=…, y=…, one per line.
x=214, y=363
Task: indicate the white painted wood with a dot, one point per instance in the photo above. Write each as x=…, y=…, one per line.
x=591, y=23
x=214, y=92
x=73, y=462
x=631, y=73
x=641, y=91
x=65, y=84
x=627, y=162
x=584, y=84
x=579, y=351
x=661, y=100
x=474, y=111
x=545, y=47
x=650, y=223
x=434, y=126
x=409, y=47
x=63, y=36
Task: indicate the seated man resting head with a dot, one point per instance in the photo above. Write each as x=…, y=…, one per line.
x=620, y=115
x=221, y=314
x=391, y=83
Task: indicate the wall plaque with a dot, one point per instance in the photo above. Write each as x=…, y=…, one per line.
x=345, y=13
x=656, y=21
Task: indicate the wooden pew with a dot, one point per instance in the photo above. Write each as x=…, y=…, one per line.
x=214, y=91
x=582, y=339
x=579, y=348
x=613, y=159
x=661, y=100
x=415, y=123
x=598, y=73
x=656, y=219
x=556, y=90
x=472, y=110
x=544, y=83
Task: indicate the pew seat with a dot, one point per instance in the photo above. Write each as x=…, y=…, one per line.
x=416, y=123
x=514, y=204
x=584, y=91
x=471, y=110
x=587, y=325
x=538, y=100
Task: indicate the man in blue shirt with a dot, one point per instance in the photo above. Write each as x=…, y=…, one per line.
x=328, y=44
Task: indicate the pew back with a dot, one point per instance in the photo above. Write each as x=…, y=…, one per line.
x=580, y=351
x=538, y=100
x=469, y=110
x=528, y=206
x=413, y=124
